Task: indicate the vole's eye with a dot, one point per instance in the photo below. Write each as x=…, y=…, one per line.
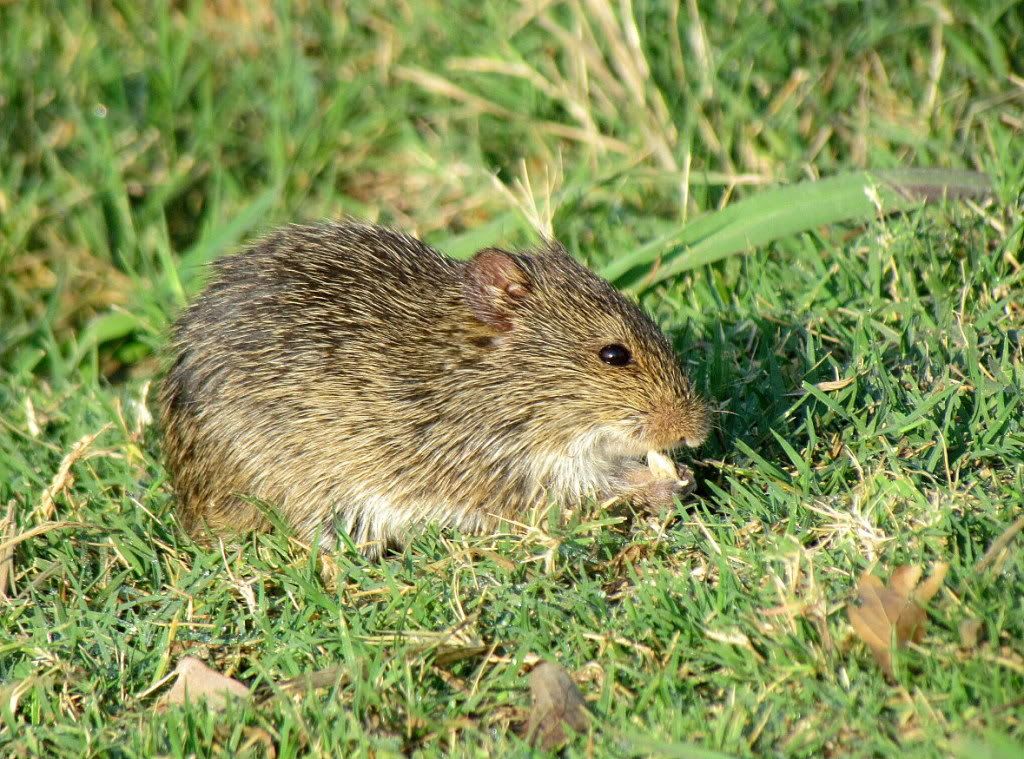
x=615, y=355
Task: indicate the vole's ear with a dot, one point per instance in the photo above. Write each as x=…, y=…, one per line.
x=494, y=284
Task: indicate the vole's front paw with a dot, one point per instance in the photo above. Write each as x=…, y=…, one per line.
x=659, y=495
x=657, y=485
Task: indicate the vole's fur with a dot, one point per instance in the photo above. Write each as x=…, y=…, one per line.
x=356, y=379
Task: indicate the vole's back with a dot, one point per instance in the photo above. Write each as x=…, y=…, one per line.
x=333, y=297
x=355, y=380
x=289, y=362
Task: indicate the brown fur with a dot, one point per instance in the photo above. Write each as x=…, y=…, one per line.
x=355, y=379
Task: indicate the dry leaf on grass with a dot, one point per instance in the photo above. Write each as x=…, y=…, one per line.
x=196, y=681
x=884, y=615
x=557, y=702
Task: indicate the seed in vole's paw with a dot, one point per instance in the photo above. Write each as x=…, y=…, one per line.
x=661, y=466
x=664, y=469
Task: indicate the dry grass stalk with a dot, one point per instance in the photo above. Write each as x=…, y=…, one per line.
x=62, y=479
x=7, y=554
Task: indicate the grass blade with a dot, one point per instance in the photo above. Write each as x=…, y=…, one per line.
x=785, y=211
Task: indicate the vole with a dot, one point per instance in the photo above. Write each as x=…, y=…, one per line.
x=357, y=380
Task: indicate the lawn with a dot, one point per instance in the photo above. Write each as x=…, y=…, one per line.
x=868, y=375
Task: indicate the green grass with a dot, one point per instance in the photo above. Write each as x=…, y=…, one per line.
x=138, y=143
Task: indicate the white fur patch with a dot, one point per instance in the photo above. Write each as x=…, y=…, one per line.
x=372, y=520
x=590, y=465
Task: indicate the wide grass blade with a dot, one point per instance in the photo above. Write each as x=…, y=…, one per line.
x=775, y=214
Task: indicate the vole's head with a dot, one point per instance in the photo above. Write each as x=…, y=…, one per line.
x=589, y=360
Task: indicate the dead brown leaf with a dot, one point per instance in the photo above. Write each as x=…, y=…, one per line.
x=887, y=615
x=557, y=702
x=197, y=681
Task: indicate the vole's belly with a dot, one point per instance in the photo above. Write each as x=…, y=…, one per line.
x=376, y=505
x=573, y=478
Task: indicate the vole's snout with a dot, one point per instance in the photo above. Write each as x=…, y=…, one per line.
x=680, y=423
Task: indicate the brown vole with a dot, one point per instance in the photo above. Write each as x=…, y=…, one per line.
x=356, y=379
